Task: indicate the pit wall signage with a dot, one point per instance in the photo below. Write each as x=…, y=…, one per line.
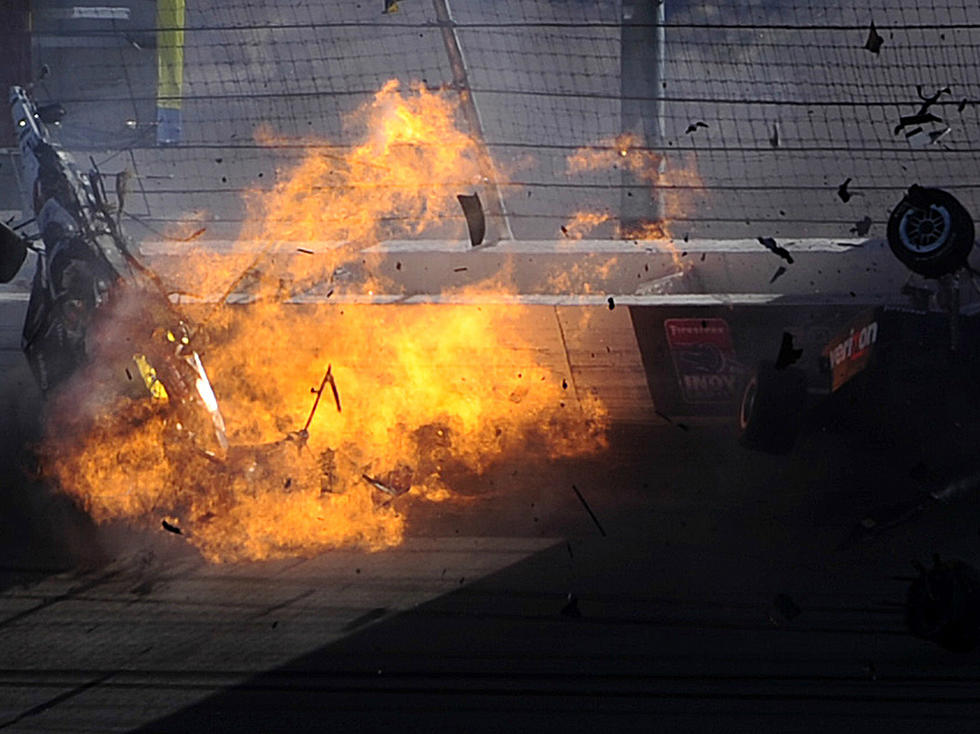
x=849, y=352
x=704, y=359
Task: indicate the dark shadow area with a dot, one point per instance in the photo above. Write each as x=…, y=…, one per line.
x=730, y=592
x=41, y=532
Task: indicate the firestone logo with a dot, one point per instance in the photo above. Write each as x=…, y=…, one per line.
x=676, y=330
x=854, y=345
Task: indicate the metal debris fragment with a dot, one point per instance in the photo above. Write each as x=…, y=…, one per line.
x=922, y=116
x=386, y=488
x=778, y=274
x=842, y=191
x=171, y=528
x=475, y=220
x=589, y=510
x=327, y=378
x=873, y=44
x=862, y=227
x=694, y=126
x=770, y=244
x=774, y=138
x=920, y=137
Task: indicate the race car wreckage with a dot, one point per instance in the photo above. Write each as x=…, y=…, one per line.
x=94, y=307
x=86, y=271
x=932, y=234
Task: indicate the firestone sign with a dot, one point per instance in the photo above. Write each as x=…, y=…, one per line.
x=704, y=359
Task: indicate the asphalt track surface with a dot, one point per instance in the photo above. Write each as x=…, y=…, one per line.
x=677, y=584
x=681, y=627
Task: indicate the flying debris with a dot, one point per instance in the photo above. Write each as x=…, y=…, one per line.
x=304, y=250
x=386, y=488
x=770, y=244
x=843, y=193
x=920, y=138
x=923, y=116
x=873, y=44
x=664, y=416
x=589, y=510
x=171, y=528
x=391, y=6
x=475, y=220
x=962, y=105
x=327, y=379
x=694, y=126
x=611, y=302
x=774, y=138
x=788, y=355
x=862, y=227
x=780, y=271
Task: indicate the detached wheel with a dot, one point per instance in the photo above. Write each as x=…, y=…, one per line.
x=770, y=411
x=930, y=232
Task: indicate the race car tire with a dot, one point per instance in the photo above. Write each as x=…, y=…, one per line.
x=771, y=407
x=930, y=232
x=13, y=252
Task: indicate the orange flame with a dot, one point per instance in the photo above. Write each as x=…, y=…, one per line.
x=668, y=180
x=583, y=222
x=429, y=395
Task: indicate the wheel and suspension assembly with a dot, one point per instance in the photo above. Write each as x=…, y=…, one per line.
x=930, y=232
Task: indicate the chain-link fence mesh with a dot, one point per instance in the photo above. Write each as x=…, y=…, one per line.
x=766, y=107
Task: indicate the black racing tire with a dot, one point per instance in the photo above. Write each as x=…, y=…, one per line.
x=770, y=409
x=930, y=232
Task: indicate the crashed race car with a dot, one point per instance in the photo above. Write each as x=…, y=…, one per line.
x=932, y=234
x=120, y=365
x=85, y=271
x=768, y=368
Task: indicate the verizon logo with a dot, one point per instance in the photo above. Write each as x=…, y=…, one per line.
x=854, y=345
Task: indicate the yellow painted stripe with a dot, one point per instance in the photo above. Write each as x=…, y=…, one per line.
x=170, y=53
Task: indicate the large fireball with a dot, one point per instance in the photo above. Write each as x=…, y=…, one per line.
x=428, y=393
